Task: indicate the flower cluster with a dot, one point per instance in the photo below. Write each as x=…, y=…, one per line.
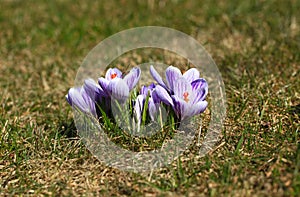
x=184, y=93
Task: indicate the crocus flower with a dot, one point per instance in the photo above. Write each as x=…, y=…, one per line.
x=187, y=99
x=185, y=93
x=116, y=86
x=78, y=98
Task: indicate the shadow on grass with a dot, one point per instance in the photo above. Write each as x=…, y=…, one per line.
x=68, y=129
x=295, y=110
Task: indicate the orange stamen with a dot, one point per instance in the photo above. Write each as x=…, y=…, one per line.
x=112, y=76
x=185, y=97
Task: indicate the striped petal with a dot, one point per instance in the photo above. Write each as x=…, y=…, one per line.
x=197, y=108
x=157, y=77
x=183, y=89
x=153, y=109
x=180, y=107
x=118, y=89
x=191, y=75
x=163, y=95
x=132, y=78
x=172, y=74
x=138, y=107
x=200, y=87
x=93, y=89
x=81, y=100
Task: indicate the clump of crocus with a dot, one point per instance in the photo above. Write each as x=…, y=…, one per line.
x=114, y=86
x=184, y=92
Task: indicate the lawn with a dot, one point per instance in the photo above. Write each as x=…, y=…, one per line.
x=256, y=45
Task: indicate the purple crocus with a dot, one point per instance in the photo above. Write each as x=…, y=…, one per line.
x=185, y=93
x=78, y=98
x=115, y=86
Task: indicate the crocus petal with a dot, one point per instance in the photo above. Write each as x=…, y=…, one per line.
x=180, y=106
x=118, y=89
x=163, y=95
x=153, y=108
x=113, y=73
x=155, y=97
x=183, y=87
x=90, y=87
x=93, y=89
x=144, y=90
x=199, y=83
x=79, y=99
x=151, y=86
x=157, y=77
x=200, y=87
x=132, y=77
x=200, y=95
x=191, y=75
x=90, y=103
x=69, y=99
x=197, y=108
x=70, y=94
x=138, y=107
x=103, y=84
x=172, y=74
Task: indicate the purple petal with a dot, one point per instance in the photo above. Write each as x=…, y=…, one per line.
x=81, y=100
x=172, y=74
x=144, y=90
x=103, y=84
x=93, y=89
x=138, y=107
x=153, y=108
x=183, y=89
x=151, y=86
x=69, y=99
x=200, y=87
x=163, y=95
x=112, y=73
x=132, y=77
x=191, y=75
x=157, y=77
x=90, y=103
x=200, y=95
x=199, y=83
x=76, y=99
x=118, y=89
x=180, y=106
x=155, y=97
x=196, y=108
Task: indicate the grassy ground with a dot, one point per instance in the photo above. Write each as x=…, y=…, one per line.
x=256, y=45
